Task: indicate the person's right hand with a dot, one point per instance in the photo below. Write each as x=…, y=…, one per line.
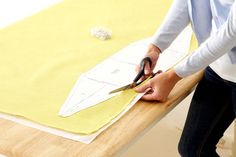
x=153, y=52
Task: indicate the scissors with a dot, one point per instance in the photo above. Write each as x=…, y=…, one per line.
x=144, y=62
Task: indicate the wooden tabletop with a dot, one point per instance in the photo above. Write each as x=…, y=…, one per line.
x=20, y=141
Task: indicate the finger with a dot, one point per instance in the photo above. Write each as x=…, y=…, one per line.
x=147, y=70
x=153, y=96
x=142, y=88
x=150, y=96
x=143, y=78
x=159, y=71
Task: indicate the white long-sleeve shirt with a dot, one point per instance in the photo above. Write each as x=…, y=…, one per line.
x=214, y=24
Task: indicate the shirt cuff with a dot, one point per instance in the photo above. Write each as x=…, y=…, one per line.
x=160, y=43
x=181, y=69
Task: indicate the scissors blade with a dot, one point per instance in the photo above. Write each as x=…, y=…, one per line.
x=128, y=86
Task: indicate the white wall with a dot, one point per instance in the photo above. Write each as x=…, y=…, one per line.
x=15, y=10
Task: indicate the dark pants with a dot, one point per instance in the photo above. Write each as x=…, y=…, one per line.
x=212, y=110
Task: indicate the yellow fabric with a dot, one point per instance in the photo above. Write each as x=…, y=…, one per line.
x=43, y=55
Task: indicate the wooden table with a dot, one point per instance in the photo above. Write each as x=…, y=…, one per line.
x=20, y=141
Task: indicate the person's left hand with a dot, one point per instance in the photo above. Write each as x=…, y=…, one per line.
x=161, y=85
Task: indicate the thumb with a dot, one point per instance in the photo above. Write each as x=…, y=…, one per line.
x=142, y=88
x=147, y=70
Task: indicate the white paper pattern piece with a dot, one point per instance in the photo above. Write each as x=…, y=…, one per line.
x=93, y=87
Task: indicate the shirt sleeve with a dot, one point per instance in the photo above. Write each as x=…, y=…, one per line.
x=175, y=21
x=214, y=47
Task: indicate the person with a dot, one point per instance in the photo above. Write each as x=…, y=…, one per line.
x=213, y=106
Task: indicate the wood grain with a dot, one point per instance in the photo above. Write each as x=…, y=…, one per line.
x=20, y=141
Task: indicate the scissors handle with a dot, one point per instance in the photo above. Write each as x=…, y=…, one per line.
x=142, y=68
